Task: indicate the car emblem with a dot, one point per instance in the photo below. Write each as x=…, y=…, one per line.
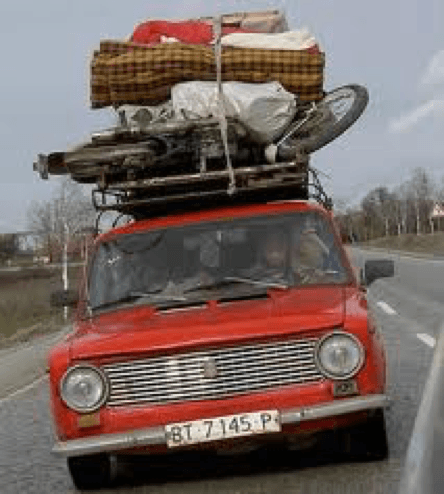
x=209, y=368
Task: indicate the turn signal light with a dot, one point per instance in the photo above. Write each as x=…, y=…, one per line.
x=89, y=420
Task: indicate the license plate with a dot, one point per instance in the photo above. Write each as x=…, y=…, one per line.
x=226, y=427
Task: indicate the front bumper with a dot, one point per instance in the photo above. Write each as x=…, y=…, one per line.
x=156, y=435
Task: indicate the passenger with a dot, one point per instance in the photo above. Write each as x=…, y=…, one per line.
x=272, y=259
x=276, y=251
x=308, y=254
x=201, y=258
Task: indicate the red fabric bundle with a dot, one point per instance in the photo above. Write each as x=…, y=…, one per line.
x=187, y=32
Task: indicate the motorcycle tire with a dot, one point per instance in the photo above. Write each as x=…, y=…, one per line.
x=324, y=126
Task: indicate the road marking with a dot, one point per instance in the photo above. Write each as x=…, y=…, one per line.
x=386, y=308
x=22, y=390
x=427, y=339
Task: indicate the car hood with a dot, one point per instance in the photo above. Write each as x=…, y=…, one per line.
x=140, y=329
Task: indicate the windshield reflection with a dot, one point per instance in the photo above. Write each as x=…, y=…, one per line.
x=215, y=260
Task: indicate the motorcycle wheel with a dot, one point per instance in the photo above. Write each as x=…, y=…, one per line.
x=334, y=114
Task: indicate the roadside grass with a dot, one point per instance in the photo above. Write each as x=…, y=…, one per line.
x=25, y=310
x=426, y=243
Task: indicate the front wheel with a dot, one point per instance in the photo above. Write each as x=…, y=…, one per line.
x=90, y=472
x=332, y=116
x=367, y=441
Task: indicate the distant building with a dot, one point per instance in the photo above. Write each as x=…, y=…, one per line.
x=27, y=242
x=437, y=211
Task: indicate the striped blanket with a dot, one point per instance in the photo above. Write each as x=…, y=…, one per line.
x=128, y=73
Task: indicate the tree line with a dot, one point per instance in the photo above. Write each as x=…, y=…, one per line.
x=69, y=217
x=404, y=209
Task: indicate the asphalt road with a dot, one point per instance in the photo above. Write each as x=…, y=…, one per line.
x=409, y=309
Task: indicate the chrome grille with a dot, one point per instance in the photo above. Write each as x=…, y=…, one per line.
x=231, y=371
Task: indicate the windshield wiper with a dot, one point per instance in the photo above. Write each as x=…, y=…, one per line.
x=161, y=296
x=263, y=283
x=129, y=298
x=172, y=295
x=228, y=280
x=133, y=296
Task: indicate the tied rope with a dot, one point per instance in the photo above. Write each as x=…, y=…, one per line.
x=220, y=102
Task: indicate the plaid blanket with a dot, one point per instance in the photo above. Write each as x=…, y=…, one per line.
x=128, y=73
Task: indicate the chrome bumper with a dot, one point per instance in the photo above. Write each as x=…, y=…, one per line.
x=156, y=435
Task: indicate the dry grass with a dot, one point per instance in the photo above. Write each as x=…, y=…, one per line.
x=25, y=310
x=427, y=243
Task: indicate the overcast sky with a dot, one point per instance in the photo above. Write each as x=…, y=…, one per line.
x=394, y=47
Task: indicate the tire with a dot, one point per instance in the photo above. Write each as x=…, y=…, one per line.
x=323, y=127
x=367, y=441
x=90, y=472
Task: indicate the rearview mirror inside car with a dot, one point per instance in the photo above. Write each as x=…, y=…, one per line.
x=378, y=268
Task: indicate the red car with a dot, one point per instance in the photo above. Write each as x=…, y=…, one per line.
x=220, y=329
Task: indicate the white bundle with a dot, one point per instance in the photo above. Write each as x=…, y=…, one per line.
x=300, y=39
x=264, y=109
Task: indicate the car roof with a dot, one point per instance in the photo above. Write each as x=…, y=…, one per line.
x=215, y=214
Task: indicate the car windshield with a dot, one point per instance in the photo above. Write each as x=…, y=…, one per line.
x=230, y=258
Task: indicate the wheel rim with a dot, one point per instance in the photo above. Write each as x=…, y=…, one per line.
x=340, y=102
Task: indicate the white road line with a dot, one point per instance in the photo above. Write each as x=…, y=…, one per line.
x=22, y=390
x=427, y=339
x=386, y=308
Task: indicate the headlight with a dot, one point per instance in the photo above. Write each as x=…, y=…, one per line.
x=84, y=388
x=339, y=355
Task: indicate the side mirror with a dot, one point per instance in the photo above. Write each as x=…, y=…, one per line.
x=64, y=298
x=378, y=268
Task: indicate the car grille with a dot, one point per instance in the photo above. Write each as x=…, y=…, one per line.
x=212, y=374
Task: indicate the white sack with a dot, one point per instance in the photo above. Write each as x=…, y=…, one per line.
x=265, y=109
x=291, y=40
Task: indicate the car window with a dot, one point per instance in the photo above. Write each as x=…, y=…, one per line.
x=292, y=250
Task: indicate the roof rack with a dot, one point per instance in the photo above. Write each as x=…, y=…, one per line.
x=165, y=195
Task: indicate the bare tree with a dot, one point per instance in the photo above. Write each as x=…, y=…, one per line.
x=404, y=200
x=9, y=245
x=60, y=220
x=377, y=207
x=423, y=193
